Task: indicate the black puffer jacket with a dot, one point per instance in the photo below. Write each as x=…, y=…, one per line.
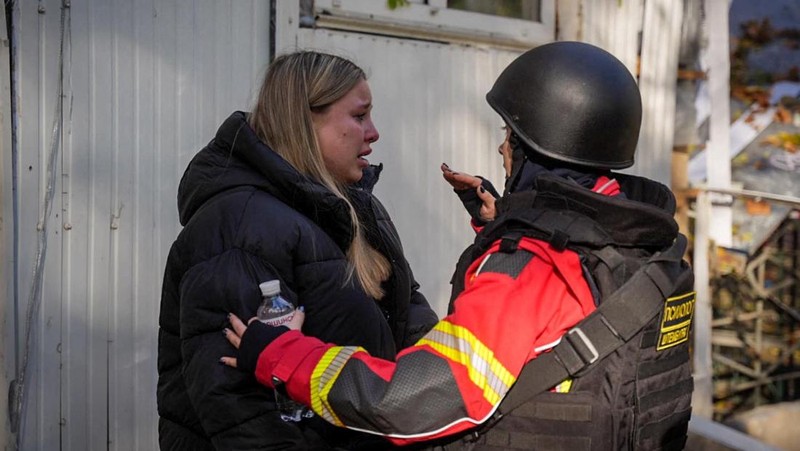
x=248, y=217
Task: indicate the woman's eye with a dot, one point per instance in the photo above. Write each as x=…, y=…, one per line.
x=361, y=117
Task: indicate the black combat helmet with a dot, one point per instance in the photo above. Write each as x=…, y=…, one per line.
x=572, y=102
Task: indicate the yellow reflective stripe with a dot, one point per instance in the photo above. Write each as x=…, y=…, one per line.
x=482, y=350
x=475, y=376
x=323, y=377
x=457, y=343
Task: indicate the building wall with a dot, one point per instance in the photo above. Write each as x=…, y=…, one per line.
x=145, y=84
x=7, y=347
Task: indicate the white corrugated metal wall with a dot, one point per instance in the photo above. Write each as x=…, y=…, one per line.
x=658, y=78
x=146, y=83
x=609, y=24
x=7, y=345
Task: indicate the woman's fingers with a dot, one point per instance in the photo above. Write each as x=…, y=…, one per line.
x=232, y=337
x=238, y=326
x=468, y=181
x=459, y=180
x=488, y=212
x=235, y=336
x=450, y=177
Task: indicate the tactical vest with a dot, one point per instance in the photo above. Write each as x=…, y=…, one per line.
x=629, y=360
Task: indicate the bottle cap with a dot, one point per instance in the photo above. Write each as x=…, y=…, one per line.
x=270, y=287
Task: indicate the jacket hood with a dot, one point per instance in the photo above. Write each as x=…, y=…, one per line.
x=236, y=158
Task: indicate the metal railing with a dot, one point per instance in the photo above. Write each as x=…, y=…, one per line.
x=747, y=326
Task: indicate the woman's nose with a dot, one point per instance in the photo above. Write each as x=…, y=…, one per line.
x=372, y=134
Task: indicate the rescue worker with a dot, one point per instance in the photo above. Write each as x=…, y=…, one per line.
x=570, y=317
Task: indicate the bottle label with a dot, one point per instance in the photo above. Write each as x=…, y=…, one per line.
x=278, y=320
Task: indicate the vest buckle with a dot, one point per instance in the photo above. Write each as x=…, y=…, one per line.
x=588, y=357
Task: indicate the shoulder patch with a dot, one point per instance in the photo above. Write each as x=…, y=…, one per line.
x=509, y=264
x=676, y=321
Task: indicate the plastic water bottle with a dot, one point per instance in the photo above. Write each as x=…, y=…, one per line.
x=274, y=310
x=277, y=311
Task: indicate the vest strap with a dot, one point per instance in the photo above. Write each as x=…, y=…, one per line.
x=510, y=242
x=559, y=240
x=610, y=257
x=615, y=321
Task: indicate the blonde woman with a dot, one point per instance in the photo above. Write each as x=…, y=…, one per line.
x=281, y=193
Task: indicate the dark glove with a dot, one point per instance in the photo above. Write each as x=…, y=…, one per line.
x=257, y=337
x=472, y=203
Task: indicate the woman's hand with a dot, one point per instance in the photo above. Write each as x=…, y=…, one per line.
x=260, y=337
x=476, y=193
x=459, y=180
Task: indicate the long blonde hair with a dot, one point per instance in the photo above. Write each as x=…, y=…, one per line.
x=296, y=85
